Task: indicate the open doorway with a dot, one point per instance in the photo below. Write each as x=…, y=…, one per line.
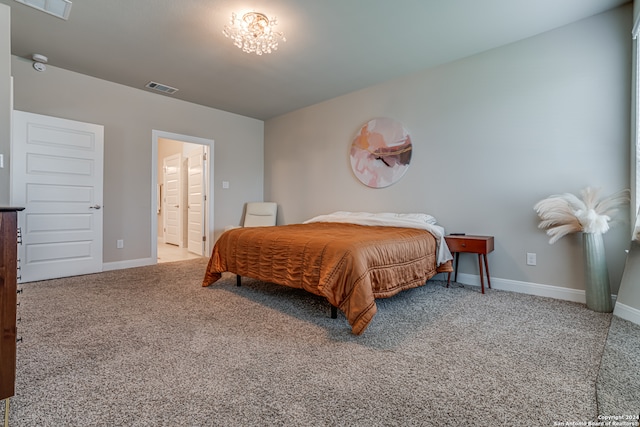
x=182, y=208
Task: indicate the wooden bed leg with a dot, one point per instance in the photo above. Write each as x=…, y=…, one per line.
x=238, y=280
x=334, y=312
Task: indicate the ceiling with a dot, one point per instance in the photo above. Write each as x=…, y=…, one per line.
x=333, y=47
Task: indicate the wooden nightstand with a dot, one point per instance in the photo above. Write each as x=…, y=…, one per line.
x=480, y=245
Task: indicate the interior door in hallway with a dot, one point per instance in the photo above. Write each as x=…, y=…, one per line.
x=172, y=182
x=196, y=201
x=57, y=175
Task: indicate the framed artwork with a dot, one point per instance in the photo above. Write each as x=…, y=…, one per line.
x=381, y=152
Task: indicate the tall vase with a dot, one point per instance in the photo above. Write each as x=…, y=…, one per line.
x=597, y=288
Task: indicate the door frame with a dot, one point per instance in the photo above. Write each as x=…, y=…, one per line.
x=156, y=135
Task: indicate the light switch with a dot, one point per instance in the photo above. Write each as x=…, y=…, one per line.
x=1, y=161
x=225, y=184
x=531, y=258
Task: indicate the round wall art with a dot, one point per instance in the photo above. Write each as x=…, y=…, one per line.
x=381, y=152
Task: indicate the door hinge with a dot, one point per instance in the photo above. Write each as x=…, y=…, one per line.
x=205, y=197
x=204, y=238
x=204, y=156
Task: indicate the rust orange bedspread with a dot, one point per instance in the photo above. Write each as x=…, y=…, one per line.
x=349, y=264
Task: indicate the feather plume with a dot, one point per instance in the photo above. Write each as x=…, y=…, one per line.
x=563, y=214
x=611, y=204
x=560, y=231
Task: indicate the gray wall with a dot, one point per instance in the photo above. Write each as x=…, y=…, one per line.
x=5, y=104
x=492, y=134
x=129, y=116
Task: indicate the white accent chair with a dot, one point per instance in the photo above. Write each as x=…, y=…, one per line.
x=260, y=214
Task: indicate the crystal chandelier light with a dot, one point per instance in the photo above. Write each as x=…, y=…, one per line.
x=253, y=32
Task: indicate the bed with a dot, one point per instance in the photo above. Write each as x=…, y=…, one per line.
x=350, y=258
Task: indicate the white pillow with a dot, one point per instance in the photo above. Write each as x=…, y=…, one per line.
x=420, y=217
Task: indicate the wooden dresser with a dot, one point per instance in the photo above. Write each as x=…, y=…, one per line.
x=8, y=299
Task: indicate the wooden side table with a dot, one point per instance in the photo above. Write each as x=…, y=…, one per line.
x=480, y=245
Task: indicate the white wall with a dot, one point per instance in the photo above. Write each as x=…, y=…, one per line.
x=129, y=115
x=492, y=135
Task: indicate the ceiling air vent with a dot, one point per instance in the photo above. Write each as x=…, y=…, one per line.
x=57, y=8
x=161, y=88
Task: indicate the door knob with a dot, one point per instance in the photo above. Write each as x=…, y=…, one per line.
x=176, y=206
x=96, y=206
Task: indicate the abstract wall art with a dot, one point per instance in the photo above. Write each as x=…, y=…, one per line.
x=381, y=152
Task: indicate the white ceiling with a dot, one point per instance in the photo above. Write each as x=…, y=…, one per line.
x=333, y=46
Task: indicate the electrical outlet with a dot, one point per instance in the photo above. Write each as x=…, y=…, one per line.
x=531, y=258
x=119, y=244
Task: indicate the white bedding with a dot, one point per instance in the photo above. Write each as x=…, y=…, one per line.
x=408, y=220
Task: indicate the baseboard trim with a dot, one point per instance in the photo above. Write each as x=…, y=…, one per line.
x=557, y=292
x=627, y=313
x=131, y=263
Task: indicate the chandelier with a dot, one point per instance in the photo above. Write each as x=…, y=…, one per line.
x=254, y=33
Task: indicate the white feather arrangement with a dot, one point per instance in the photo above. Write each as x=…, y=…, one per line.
x=563, y=214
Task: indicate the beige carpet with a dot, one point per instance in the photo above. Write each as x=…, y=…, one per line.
x=150, y=347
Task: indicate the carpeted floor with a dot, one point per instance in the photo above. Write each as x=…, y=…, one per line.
x=150, y=347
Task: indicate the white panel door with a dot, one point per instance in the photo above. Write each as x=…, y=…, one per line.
x=172, y=198
x=196, y=201
x=57, y=175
